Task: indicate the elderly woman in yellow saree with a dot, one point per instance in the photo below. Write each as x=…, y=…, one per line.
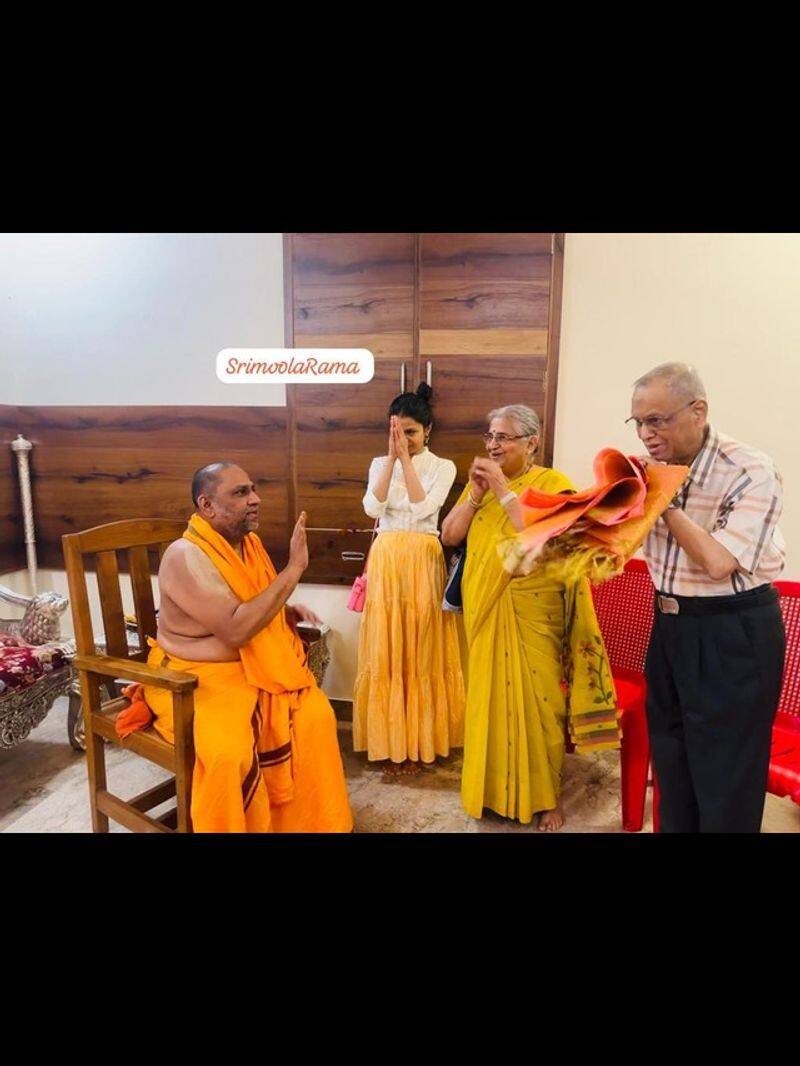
x=536, y=655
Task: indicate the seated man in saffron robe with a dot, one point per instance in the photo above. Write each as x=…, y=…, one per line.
x=267, y=754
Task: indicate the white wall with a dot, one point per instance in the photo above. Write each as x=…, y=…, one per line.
x=727, y=303
x=136, y=318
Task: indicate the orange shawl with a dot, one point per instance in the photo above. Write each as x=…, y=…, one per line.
x=593, y=532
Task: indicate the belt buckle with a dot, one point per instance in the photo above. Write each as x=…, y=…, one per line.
x=667, y=605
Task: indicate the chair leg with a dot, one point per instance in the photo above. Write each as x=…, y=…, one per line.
x=95, y=749
x=96, y=767
x=183, y=717
x=634, y=761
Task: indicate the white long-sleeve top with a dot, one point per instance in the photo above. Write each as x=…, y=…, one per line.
x=397, y=512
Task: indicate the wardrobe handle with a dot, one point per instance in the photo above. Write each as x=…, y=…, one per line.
x=402, y=377
x=353, y=557
x=429, y=374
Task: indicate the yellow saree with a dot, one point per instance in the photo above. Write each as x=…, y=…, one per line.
x=536, y=663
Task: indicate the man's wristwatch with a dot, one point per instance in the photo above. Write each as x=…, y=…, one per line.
x=675, y=503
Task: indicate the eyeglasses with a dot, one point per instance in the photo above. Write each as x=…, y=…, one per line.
x=502, y=438
x=658, y=421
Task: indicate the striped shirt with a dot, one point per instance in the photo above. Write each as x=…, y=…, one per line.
x=734, y=493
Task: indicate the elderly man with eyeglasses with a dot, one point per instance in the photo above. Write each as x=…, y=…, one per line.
x=715, y=661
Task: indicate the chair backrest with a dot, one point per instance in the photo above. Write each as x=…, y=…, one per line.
x=139, y=538
x=790, y=609
x=624, y=608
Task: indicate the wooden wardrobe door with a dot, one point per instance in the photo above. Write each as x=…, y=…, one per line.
x=485, y=312
x=347, y=291
x=338, y=430
x=483, y=309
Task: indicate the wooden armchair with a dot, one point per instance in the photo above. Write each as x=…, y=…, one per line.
x=139, y=538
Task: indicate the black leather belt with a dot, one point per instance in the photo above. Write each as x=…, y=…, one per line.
x=739, y=601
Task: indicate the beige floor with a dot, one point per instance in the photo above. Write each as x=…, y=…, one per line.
x=43, y=790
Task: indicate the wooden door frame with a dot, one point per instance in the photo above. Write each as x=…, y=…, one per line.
x=553, y=346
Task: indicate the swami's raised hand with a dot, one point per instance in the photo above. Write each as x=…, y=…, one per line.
x=298, y=545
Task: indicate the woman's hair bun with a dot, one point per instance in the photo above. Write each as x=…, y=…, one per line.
x=414, y=405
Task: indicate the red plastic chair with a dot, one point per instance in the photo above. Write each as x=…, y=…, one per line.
x=624, y=608
x=625, y=611
x=784, y=759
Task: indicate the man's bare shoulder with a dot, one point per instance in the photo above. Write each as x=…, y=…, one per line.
x=186, y=563
x=174, y=559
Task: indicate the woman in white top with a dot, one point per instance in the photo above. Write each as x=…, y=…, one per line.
x=408, y=704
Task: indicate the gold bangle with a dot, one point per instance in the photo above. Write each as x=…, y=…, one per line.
x=472, y=501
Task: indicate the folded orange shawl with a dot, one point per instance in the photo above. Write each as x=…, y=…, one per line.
x=594, y=532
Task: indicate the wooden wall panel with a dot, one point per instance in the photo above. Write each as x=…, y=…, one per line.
x=347, y=291
x=488, y=342
x=485, y=256
x=484, y=294
x=350, y=287
x=489, y=296
x=12, y=536
x=339, y=430
x=484, y=281
x=466, y=390
x=91, y=465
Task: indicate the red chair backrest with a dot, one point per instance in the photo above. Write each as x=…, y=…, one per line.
x=790, y=609
x=624, y=608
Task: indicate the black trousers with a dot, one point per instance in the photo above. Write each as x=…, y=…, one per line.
x=714, y=673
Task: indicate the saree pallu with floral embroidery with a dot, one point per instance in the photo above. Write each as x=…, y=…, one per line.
x=537, y=666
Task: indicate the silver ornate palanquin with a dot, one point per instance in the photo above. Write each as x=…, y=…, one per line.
x=22, y=709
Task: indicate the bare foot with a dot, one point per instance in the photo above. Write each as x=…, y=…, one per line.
x=392, y=769
x=409, y=768
x=551, y=821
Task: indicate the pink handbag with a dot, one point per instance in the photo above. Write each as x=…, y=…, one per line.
x=358, y=593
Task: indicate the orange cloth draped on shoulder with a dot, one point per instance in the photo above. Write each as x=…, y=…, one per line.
x=266, y=751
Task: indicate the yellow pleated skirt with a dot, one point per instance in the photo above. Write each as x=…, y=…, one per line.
x=409, y=698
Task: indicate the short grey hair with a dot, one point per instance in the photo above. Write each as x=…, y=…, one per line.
x=526, y=418
x=680, y=378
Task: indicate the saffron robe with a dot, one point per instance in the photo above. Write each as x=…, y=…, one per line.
x=266, y=751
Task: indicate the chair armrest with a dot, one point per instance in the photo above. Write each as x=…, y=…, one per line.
x=107, y=666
